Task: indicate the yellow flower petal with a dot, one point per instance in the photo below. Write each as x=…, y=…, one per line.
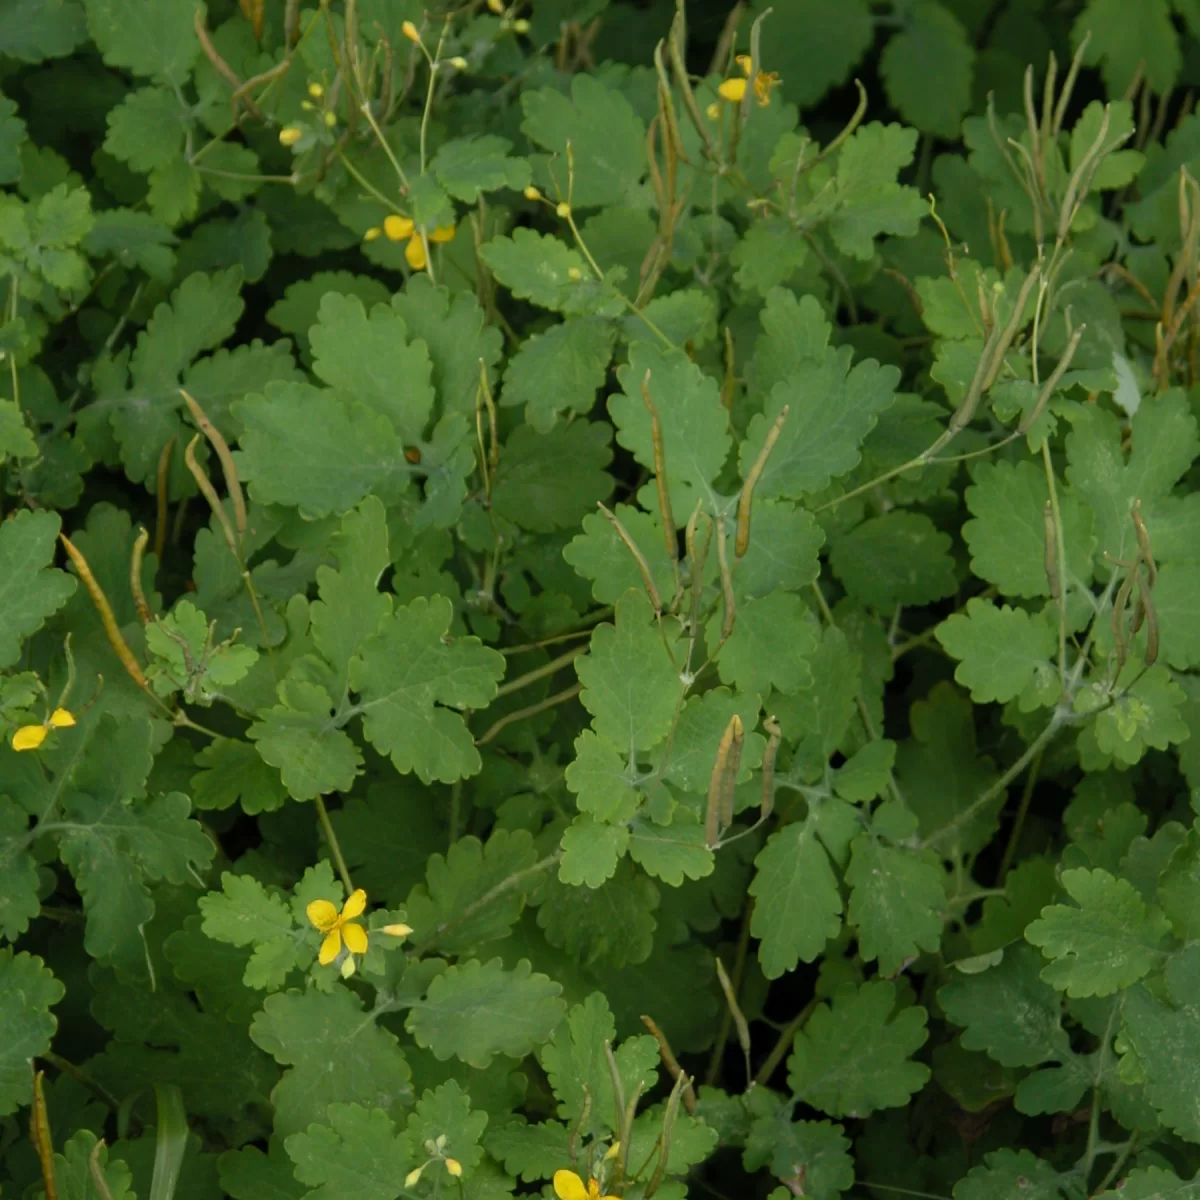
x=331, y=947
x=29, y=737
x=322, y=914
x=443, y=233
x=60, y=718
x=743, y=61
x=356, y=938
x=397, y=228
x=568, y=1186
x=355, y=906
x=415, y=253
x=764, y=82
x=733, y=90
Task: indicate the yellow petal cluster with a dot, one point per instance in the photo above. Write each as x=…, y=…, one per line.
x=399, y=229
x=568, y=1186
x=30, y=737
x=339, y=927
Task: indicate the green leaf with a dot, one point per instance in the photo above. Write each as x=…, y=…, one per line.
x=249, y=1174
x=1009, y=1011
x=244, y=912
x=134, y=239
x=1177, y=606
x=695, y=437
x=335, y=1052
x=468, y=166
x=28, y=989
x=1163, y=1036
x=1118, y=169
x=537, y=267
x=310, y=449
x=457, y=882
x=444, y=1116
x=357, y=1153
x=612, y=924
x=1007, y=535
x=942, y=775
x=551, y=480
x=33, y=30
x=18, y=873
x=368, y=359
x=148, y=37
x=831, y=409
x=1003, y=653
x=591, y=851
x=299, y=737
x=1152, y=1183
x=820, y=716
x=1164, y=443
x=866, y=775
x=816, y=1151
x=783, y=553
x=870, y=201
x=147, y=129
x=452, y=326
x=232, y=772
x=1124, y=43
x=529, y=1152
x=814, y=47
x=702, y=721
x=577, y=1067
x=630, y=685
x=30, y=588
x=601, y=779
x=475, y=1011
x=928, y=68
x=411, y=676
x=799, y=904
x=853, y=1054
x=559, y=370
x=672, y=852
x=900, y=558
x=1143, y=715
x=1007, y=1173
x=1109, y=940
x=607, y=140
x=896, y=897
x=296, y=312
x=772, y=639
x=768, y=255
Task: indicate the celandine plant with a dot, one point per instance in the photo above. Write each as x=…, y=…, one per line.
x=592, y=606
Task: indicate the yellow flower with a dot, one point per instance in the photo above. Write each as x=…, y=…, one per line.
x=398, y=228
x=568, y=1186
x=764, y=82
x=30, y=737
x=733, y=90
x=338, y=926
x=290, y=135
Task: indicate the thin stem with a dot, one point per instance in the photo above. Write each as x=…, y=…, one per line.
x=1091, y=1150
x=455, y=810
x=1060, y=553
x=365, y=109
x=533, y=709
x=1121, y=1159
x=550, y=668
x=493, y=893
x=370, y=187
x=1019, y=820
x=433, y=64
x=780, y=1050
x=335, y=849
x=82, y=1077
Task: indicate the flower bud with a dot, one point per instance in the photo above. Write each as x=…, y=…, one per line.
x=410, y=31
x=316, y=91
x=349, y=966
x=531, y=193
x=290, y=135
x=330, y=119
x=398, y=930
x=563, y=209
x=521, y=25
x=458, y=62
x=454, y=1167
x=372, y=233
x=574, y=273
x=413, y=1177
x=497, y=6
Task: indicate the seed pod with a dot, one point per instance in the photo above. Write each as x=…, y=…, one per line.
x=639, y=557
x=722, y=781
x=1147, y=605
x=726, y=583
x=660, y=472
x=1051, y=552
x=768, y=768
x=742, y=541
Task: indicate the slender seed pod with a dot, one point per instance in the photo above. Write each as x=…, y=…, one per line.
x=735, y=1011
x=160, y=517
x=742, y=541
x=233, y=484
x=1151, y=622
x=210, y=494
x=726, y=583
x=774, y=735
x=660, y=472
x=639, y=557
x=116, y=639
x=40, y=1136
x=135, y=577
x=722, y=781
x=1050, y=553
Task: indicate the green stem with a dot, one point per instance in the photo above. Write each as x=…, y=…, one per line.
x=1014, y=836
x=334, y=848
x=780, y=1050
x=532, y=711
x=555, y=664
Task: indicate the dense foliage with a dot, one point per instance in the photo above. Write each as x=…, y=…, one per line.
x=593, y=605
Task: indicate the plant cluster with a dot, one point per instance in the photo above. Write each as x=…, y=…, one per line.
x=591, y=607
